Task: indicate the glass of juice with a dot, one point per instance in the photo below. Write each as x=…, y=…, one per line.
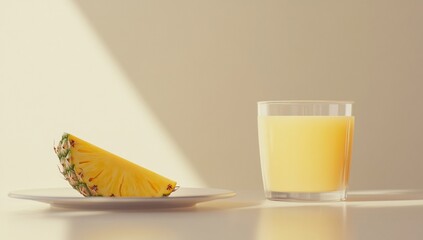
x=305, y=149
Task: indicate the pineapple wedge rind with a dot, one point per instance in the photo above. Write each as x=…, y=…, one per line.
x=93, y=171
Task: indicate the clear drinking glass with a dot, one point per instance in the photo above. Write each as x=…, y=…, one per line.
x=305, y=149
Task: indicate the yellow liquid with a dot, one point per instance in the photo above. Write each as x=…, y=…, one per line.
x=305, y=153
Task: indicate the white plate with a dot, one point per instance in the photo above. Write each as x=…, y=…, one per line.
x=70, y=198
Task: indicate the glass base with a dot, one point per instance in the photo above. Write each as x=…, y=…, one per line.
x=306, y=196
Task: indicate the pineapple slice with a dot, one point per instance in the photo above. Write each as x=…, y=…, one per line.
x=95, y=172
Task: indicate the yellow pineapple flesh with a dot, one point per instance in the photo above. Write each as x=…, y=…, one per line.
x=95, y=172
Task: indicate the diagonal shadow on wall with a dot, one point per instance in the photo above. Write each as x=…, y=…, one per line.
x=192, y=63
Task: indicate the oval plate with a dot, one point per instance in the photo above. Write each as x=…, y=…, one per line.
x=70, y=198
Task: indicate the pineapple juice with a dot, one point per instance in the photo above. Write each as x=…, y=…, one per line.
x=305, y=153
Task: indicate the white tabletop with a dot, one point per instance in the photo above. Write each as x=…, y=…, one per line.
x=366, y=215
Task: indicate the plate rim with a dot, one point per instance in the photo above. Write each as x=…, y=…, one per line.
x=20, y=194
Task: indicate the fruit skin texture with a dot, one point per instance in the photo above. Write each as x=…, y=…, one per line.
x=93, y=171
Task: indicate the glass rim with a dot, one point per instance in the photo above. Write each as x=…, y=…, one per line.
x=291, y=102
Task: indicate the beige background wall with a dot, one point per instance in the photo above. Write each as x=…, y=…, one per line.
x=173, y=85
